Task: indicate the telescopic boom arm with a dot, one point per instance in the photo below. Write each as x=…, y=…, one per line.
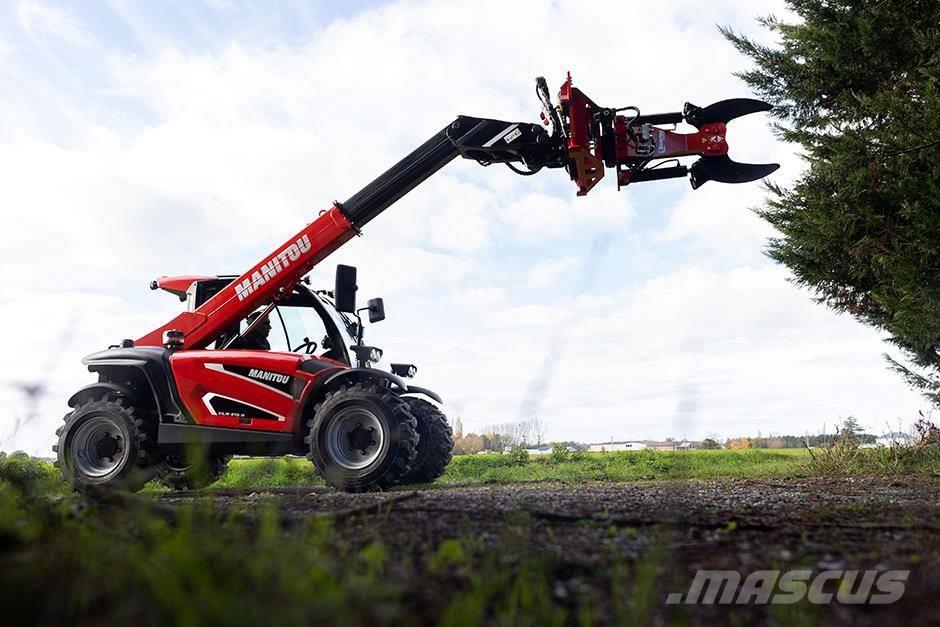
x=577, y=135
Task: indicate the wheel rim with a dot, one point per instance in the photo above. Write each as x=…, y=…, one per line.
x=98, y=447
x=355, y=438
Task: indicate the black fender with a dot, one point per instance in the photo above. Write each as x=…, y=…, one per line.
x=414, y=389
x=93, y=390
x=149, y=368
x=359, y=374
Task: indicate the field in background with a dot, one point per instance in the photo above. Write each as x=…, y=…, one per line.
x=620, y=466
x=626, y=466
x=506, y=468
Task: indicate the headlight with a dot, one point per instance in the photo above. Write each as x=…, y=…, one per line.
x=404, y=370
x=367, y=353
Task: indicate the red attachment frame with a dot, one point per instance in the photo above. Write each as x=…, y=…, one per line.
x=586, y=168
x=709, y=141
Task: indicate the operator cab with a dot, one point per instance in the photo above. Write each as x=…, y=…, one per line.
x=302, y=322
x=322, y=323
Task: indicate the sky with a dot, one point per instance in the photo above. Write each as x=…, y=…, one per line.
x=148, y=139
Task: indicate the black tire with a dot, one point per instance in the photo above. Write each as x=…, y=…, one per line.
x=106, y=443
x=435, y=442
x=366, y=416
x=178, y=473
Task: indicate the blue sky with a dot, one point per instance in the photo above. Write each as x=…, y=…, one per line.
x=144, y=139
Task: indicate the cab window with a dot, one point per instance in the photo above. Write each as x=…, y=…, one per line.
x=302, y=324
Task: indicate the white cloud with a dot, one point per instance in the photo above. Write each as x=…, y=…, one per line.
x=39, y=20
x=547, y=272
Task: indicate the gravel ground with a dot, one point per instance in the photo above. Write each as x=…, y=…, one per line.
x=745, y=525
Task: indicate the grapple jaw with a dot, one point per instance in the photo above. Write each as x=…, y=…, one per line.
x=724, y=170
x=723, y=111
x=637, y=145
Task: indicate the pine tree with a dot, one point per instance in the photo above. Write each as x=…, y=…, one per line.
x=850, y=427
x=857, y=86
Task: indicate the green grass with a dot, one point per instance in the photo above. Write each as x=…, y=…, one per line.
x=620, y=466
x=628, y=466
x=264, y=473
x=496, y=468
x=268, y=473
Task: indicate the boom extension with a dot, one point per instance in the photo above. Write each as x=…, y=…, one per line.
x=576, y=134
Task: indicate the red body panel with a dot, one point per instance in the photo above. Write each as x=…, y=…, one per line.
x=244, y=389
x=280, y=269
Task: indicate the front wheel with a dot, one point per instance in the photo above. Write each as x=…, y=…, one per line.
x=361, y=438
x=104, y=444
x=435, y=442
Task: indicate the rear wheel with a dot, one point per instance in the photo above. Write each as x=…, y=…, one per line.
x=180, y=472
x=435, y=442
x=361, y=438
x=105, y=443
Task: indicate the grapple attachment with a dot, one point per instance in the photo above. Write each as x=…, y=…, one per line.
x=641, y=149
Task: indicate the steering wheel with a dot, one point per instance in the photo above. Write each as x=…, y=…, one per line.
x=307, y=345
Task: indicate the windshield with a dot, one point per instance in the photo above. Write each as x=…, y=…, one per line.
x=348, y=329
x=346, y=326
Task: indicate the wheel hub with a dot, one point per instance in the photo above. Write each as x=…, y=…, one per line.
x=107, y=447
x=98, y=447
x=361, y=439
x=355, y=438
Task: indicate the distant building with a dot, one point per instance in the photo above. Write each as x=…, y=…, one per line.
x=616, y=446
x=896, y=438
x=653, y=445
x=542, y=450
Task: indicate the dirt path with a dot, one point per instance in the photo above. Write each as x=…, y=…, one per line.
x=684, y=526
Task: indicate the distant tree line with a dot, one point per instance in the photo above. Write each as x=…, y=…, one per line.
x=848, y=428
x=499, y=437
x=502, y=437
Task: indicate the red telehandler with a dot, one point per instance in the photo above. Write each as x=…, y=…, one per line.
x=176, y=403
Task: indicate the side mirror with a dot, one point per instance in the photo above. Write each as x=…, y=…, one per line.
x=344, y=292
x=376, y=310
